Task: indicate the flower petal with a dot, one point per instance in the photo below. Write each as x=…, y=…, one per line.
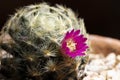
x=76, y=33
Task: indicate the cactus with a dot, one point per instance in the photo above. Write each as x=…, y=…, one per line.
x=36, y=33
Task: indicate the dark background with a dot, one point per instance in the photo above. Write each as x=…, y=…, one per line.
x=101, y=16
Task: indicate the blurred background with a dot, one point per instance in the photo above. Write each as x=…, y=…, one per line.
x=101, y=17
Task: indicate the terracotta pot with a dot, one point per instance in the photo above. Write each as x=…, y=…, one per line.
x=100, y=44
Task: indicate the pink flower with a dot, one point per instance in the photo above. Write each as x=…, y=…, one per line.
x=74, y=44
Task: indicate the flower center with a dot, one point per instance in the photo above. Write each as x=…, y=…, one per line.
x=71, y=45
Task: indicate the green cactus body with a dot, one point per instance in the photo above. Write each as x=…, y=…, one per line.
x=36, y=32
